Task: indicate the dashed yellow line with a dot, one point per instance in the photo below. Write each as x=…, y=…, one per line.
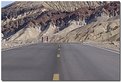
x=58, y=55
x=55, y=77
x=58, y=49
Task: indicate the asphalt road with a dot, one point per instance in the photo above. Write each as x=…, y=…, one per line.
x=34, y=62
x=76, y=62
x=83, y=62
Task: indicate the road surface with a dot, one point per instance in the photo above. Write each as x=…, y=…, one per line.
x=76, y=62
x=34, y=62
x=83, y=62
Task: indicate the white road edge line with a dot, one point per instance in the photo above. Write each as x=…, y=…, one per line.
x=11, y=48
x=14, y=47
x=103, y=48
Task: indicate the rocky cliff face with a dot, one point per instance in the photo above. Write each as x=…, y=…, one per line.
x=99, y=31
x=60, y=21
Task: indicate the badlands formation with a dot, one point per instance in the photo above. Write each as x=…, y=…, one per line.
x=61, y=22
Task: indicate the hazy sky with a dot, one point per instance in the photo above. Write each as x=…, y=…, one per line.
x=5, y=3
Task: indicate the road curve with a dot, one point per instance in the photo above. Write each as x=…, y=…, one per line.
x=34, y=62
x=83, y=62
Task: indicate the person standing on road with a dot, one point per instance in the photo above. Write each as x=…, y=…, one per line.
x=42, y=39
x=47, y=38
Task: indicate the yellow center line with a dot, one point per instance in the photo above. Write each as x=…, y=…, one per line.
x=55, y=77
x=58, y=55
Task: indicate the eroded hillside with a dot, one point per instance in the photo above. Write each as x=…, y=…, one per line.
x=29, y=22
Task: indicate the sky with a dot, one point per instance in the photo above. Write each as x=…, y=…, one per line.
x=5, y=3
